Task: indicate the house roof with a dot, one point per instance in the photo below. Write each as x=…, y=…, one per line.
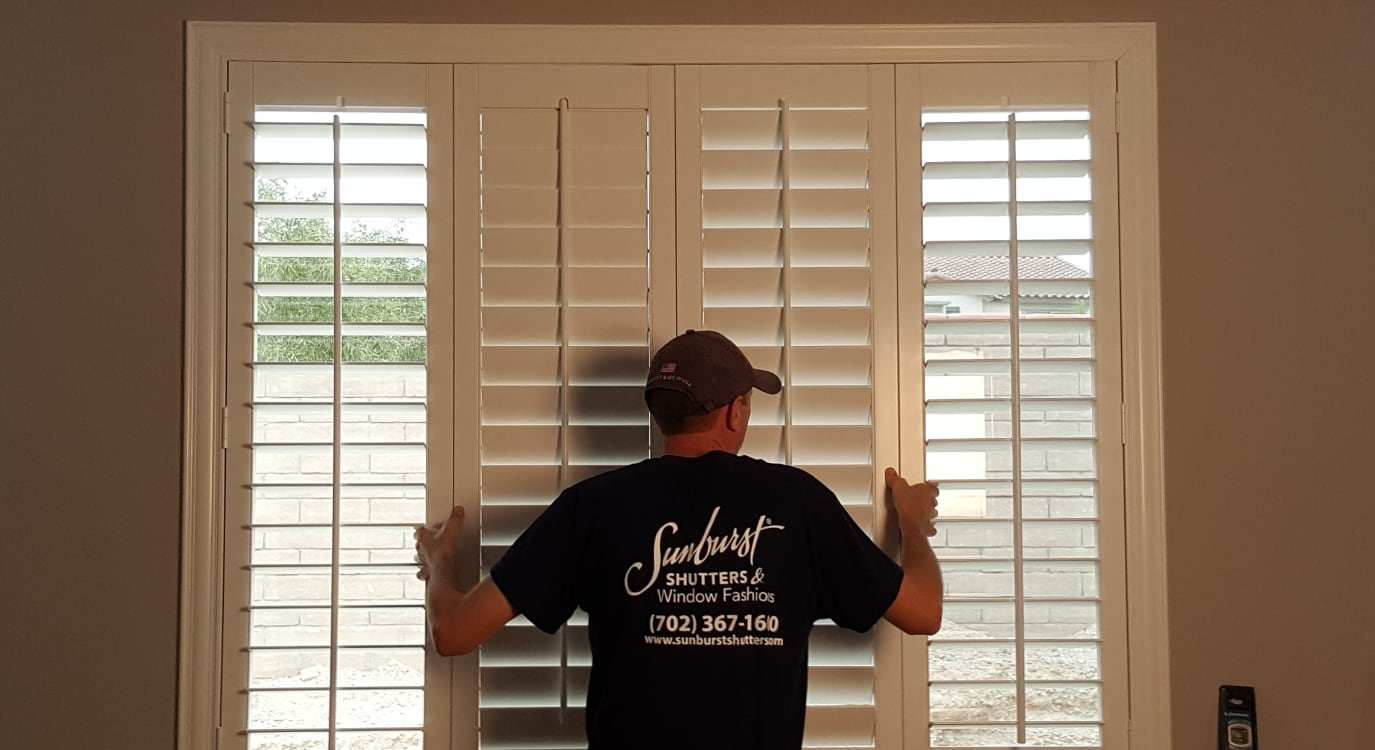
x=991, y=268
x=995, y=268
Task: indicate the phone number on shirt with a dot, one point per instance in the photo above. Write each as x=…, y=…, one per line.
x=713, y=623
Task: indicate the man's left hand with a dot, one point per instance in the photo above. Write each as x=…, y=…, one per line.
x=437, y=544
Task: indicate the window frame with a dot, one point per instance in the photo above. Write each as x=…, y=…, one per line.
x=211, y=46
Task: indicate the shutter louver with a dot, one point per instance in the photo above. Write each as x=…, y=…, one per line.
x=1011, y=426
x=785, y=273
x=334, y=398
x=565, y=342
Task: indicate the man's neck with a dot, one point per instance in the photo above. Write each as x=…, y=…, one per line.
x=694, y=444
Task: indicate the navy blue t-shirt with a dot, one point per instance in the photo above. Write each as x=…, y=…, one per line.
x=701, y=578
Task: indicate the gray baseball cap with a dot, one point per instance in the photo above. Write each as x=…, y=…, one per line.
x=708, y=369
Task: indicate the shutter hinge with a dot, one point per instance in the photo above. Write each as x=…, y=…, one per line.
x=1116, y=111
x=224, y=428
x=1123, y=422
x=225, y=109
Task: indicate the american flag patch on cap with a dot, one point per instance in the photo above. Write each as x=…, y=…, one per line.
x=669, y=367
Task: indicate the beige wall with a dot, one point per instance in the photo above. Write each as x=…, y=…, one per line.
x=1267, y=136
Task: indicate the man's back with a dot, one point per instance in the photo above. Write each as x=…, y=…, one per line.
x=701, y=577
x=701, y=571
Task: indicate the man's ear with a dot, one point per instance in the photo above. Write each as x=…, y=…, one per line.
x=736, y=414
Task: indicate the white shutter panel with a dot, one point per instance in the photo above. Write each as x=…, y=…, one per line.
x=1018, y=257
x=330, y=257
x=779, y=231
x=566, y=315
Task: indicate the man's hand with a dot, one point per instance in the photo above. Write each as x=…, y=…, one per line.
x=459, y=620
x=917, y=608
x=436, y=545
x=914, y=503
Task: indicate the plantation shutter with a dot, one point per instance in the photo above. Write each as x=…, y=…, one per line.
x=331, y=401
x=375, y=375
x=1015, y=175
x=779, y=230
x=569, y=173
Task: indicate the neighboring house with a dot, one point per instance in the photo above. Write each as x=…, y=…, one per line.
x=950, y=289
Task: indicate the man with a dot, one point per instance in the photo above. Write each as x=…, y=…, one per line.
x=701, y=571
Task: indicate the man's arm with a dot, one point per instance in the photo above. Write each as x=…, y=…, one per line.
x=917, y=608
x=459, y=621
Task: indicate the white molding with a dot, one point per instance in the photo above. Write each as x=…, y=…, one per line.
x=349, y=42
x=1143, y=384
x=202, y=401
x=211, y=45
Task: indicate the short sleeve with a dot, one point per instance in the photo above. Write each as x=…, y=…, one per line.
x=856, y=581
x=537, y=575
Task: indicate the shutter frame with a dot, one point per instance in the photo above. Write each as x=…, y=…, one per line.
x=217, y=41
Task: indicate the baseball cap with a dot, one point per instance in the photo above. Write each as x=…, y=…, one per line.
x=708, y=369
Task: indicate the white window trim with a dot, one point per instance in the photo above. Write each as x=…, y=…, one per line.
x=210, y=46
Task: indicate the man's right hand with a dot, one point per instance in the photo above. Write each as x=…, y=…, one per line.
x=459, y=620
x=914, y=503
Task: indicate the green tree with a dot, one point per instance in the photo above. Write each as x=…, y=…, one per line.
x=318, y=270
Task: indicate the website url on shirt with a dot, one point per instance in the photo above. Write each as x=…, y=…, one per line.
x=718, y=640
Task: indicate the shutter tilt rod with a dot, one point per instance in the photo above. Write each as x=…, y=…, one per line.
x=337, y=451
x=785, y=241
x=1014, y=322
x=561, y=292
x=560, y=264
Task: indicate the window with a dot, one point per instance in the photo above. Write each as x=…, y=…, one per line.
x=442, y=283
